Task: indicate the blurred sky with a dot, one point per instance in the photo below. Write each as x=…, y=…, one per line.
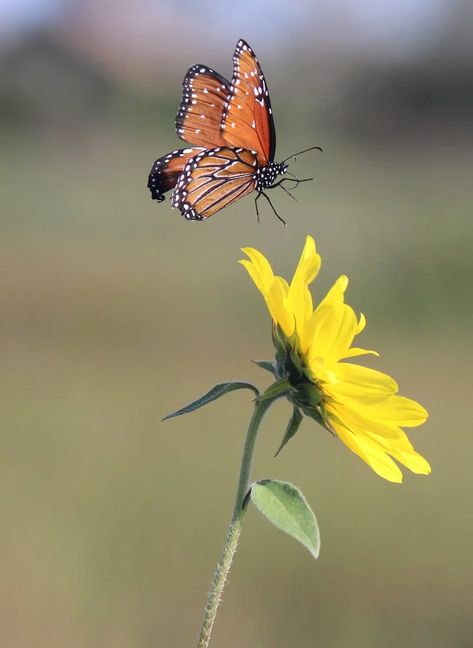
x=389, y=27
x=17, y=16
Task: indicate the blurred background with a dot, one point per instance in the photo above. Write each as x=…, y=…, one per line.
x=115, y=311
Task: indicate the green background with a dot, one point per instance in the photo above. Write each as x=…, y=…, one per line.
x=115, y=311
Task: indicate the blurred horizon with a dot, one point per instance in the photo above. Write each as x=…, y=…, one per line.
x=115, y=311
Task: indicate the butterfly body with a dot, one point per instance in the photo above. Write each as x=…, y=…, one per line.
x=266, y=176
x=232, y=140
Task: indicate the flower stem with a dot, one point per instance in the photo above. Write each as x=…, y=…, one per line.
x=234, y=530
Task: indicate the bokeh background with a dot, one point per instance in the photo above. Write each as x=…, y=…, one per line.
x=114, y=311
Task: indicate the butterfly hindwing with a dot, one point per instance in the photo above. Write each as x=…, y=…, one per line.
x=167, y=169
x=199, y=117
x=247, y=119
x=212, y=180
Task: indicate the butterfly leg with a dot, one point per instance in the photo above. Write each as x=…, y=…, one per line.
x=280, y=184
x=296, y=179
x=256, y=207
x=272, y=207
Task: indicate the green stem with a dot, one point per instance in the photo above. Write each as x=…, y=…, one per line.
x=234, y=530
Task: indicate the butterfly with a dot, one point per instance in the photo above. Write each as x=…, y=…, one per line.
x=230, y=128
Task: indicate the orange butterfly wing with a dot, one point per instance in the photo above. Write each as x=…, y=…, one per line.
x=167, y=169
x=247, y=119
x=199, y=118
x=232, y=130
x=214, y=179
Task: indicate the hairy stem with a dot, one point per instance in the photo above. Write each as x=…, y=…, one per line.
x=234, y=530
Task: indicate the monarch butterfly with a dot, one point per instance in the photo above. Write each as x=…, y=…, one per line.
x=233, y=140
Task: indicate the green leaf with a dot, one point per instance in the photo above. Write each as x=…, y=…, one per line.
x=286, y=507
x=279, y=388
x=291, y=429
x=265, y=364
x=213, y=394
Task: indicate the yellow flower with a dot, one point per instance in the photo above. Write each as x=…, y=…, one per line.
x=360, y=405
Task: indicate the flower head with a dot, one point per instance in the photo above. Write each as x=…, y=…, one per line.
x=358, y=404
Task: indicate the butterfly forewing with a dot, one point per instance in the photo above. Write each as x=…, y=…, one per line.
x=199, y=117
x=214, y=179
x=167, y=169
x=247, y=118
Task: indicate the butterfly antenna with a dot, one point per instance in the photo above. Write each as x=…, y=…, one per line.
x=312, y=148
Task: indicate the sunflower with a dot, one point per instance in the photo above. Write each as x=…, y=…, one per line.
x=358, y=404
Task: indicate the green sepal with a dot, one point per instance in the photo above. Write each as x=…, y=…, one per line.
x=297, y=369
x=286, y=507
x=281, y=345
x=265, y=364
x=309, y=400
x=292, y=427
x=279, y=339
x=304, y=392
x=213, y=394
x=307, y=395
x=279, y=388
x=287, y=361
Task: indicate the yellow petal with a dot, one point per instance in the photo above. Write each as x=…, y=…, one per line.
x=336, y=292
x=370, y=452
x=368, y=434
x=361, y=324
x=412, y=460
x=401, y=411
x=276, y=301
x=255, y=275
x=308, y=266
x=299, y=297
x=402, y=450
x=358, y=381
x=259, y=269
x=332, y=328
x=355, y=351
x=356, y=420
